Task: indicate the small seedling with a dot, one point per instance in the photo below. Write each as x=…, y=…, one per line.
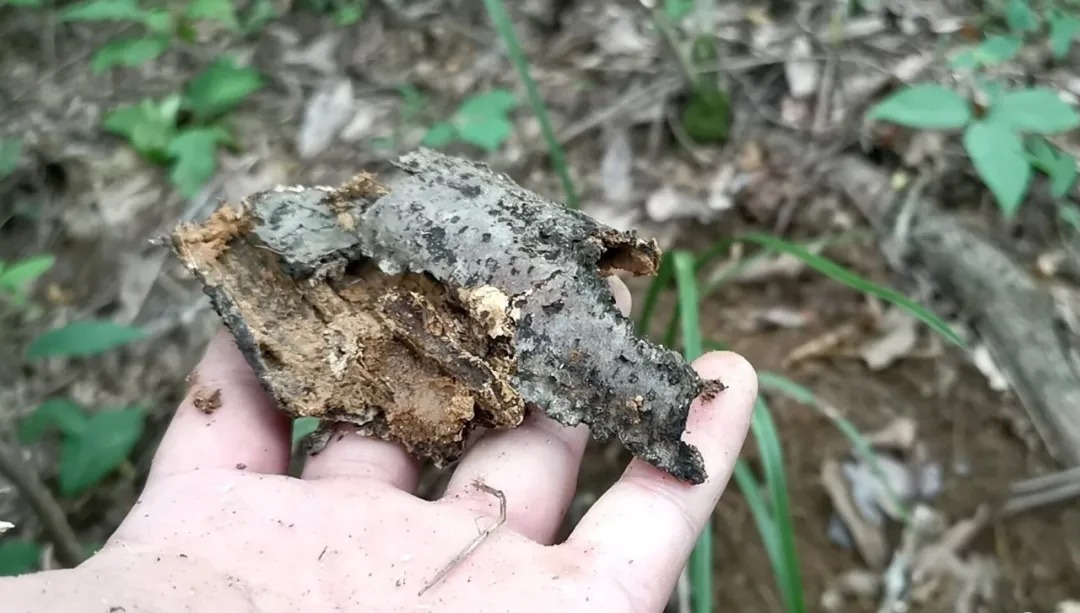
x=482, y=120
x=16, y=277
x=18, y=556
x=185, y=131
x=343, y=12
x=1005, y=143
x=82, y=339
x=161, y=28
x=93, y=445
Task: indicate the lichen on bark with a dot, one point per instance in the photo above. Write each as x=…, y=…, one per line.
x=450, y=300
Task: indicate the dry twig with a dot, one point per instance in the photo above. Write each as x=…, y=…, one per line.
x=68, y=550
x=476, y=542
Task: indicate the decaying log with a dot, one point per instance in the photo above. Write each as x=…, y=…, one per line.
x=1011, y=314
x=449, y=300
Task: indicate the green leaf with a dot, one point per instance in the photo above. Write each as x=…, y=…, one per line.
x=994, y=50
x=482, y=119
x=213, y=10
x=303, y=426
x=1019, y=17
x=837, y=272
x=219, y=88
x=677, y=10
x=159, y=21
x=61, y=413
x=21, y=2
x=104, y=445
x=10, y=152
x=924, y=106
x=1063, y=30
x=128, y=52
x=25, y=271
x=82, y=338
x=772, y=460
x=494, y=102
x=998, y=156
x=707, y=116
x=1063, y=177
x=103, y=10
x=18, y=556
x=348, y=14
x=1038, y=110
x=440, y=135
x=195, y=155
x=149, y=125
x=1059, y=166
x=488, y=133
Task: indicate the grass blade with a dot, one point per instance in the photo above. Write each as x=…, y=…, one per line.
x=788, y=574
x=684, y=267
x=505, y=28
x=759, y=510
x=862, y=447
x=839, y=273
x=686, y=286
x=659, y=283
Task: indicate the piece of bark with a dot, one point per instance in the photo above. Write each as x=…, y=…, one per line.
x=1010, y=311
x=451, y=300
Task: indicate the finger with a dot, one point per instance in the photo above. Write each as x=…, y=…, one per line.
x=642, y=530
x=535, y=465
x=351, y=455
x=238, y=426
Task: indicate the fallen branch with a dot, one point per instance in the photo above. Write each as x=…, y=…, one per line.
x=41, y=500
x=476, y=542
x=1010, y=312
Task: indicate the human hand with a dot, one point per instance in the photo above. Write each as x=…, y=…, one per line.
x=219, y=525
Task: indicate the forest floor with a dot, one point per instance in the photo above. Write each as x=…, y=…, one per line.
x=333, y=105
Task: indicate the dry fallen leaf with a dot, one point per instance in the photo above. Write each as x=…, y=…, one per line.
x=900, y=333
x=989, y=368
x=327, y=112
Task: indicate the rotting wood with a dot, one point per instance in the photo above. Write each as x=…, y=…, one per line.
x=449, y=300
x=1017, y=320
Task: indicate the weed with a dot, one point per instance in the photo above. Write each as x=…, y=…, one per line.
x=343, y=12
x=160, y=27
x=482, y=120
x=93, y=445
x=185, y=130
x=18, y=556
x=16, y=277
x=1005, y=137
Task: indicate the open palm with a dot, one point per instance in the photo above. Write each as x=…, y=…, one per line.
x=220, y=526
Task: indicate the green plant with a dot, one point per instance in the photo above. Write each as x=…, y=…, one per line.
x=81, y=339
x=482, y=120
x=10, y=152
x=1006, y=140
x=767, y=498
x=16, y=277
x=500, y=19
x=343, y=12
x=160, y=27
x=185, y=130
x=18, y=556
x=1005, y=143
x=93, y=445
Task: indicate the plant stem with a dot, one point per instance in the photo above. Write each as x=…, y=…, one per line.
x=501, y=20
x=53, y=518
